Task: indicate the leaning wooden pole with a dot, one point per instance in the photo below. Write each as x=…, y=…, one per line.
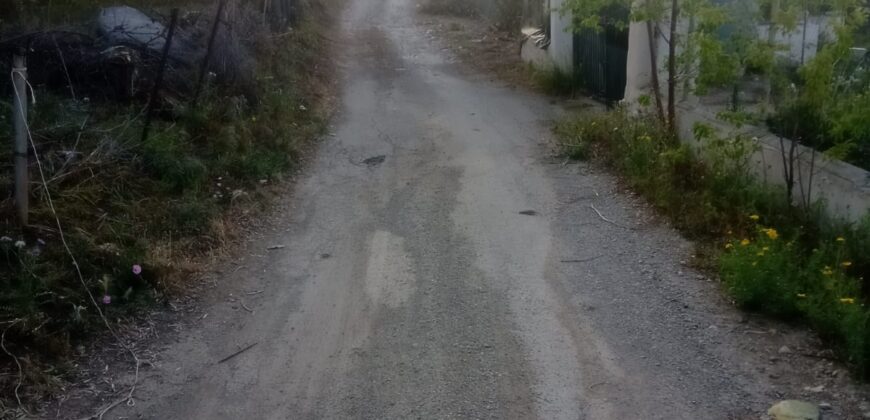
x=205, y=61
x=158, y=81
x=19, y=118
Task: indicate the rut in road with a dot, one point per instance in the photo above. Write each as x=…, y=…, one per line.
x=411, y=286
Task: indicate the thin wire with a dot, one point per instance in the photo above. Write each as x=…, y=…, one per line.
x=129, y=397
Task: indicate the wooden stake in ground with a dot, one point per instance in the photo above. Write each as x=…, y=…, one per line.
x=19, y=118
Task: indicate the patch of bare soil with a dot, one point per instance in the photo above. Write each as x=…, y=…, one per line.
x=481, y=47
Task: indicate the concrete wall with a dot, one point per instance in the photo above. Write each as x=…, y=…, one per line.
x=844, y=188
x=796, y=47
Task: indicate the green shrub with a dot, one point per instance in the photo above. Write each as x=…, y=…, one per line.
x=761, y=273
x=778, y=277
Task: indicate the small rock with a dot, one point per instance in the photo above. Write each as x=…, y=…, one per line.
x=819, y=388
x=825, y=406
x=784, y=350
x=794, y=410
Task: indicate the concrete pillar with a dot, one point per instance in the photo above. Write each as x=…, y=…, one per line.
x=638, y=78
x=561, y=38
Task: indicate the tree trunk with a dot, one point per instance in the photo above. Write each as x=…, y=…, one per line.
x=672, y=67
x=771, y=41
x=654, y=67
x=687, y=66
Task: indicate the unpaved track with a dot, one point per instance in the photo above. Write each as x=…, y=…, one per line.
x=413, y=288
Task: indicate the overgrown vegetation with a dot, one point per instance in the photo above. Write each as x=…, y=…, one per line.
x=554, y=81
x=817, y=99
x=773, y=257
x=137, y=215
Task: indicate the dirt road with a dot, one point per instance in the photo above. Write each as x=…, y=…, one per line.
x=411, y=286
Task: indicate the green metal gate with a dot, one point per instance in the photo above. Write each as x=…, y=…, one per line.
x=600, y=59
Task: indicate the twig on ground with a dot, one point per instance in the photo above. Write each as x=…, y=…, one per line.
x=592, y=206
x=246, y=306
x=237, y=353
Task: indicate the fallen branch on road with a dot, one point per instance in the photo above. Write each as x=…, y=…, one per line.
x=237, y=353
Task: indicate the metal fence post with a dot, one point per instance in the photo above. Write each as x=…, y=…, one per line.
x=19, y=118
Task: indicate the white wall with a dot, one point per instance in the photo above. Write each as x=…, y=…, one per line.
x=817, y=27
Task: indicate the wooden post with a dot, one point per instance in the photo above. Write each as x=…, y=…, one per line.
x=19, y=118
x=204, y=68
x=158, y=81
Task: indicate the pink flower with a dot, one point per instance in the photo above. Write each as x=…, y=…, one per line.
x=107, y=299
x=137, y=269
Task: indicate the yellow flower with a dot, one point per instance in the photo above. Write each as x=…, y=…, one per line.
x=846, y=263
x=802, y=295
x=728, y=245
x=771, y=233
x=841, y=239
x=828, y=271
x=847, y=301
x=755, y=217
x=744, y=242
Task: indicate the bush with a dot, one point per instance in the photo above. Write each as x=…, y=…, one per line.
x=778, y=277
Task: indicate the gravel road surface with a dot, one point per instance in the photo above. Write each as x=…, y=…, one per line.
x=439, y=262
